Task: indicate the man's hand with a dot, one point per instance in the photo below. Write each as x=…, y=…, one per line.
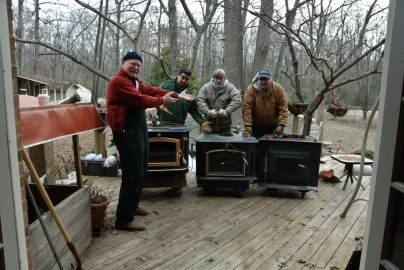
x=212, y=113
x=279, y=130
x=246, y=132
x=222, y=113
x=163, y=108
x=206, y=127
x=168, y=99
x=185, y=96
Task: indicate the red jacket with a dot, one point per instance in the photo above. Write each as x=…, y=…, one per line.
x=123, y=94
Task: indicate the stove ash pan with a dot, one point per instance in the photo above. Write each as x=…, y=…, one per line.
x=168, y=148
x=289, y=163
x=225, y=161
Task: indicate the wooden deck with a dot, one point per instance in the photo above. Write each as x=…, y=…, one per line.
x=221, y=231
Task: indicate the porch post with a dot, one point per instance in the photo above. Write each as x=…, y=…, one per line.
x=389, y=109
x=11, y=206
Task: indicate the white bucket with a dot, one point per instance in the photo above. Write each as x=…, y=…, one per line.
x=43, y=99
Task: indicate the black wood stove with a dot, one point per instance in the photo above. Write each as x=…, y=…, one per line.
x=225, y=161
x=168, y=157
x=289, y=162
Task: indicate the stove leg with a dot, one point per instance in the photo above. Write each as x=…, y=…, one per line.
x=176, y=191
x=271, y=191
x=208, y=190
x=240, y=192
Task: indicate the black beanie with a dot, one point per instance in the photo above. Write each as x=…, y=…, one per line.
x=132, y=55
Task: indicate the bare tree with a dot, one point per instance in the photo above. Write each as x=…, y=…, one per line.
x=367, y=93
x=211, y=7
x=332, y=72
x=36, y=51
x=19, y=34
x=263, y=37
x=233, y=45
x=135, y=39
x=118, y=4
x=171, y=12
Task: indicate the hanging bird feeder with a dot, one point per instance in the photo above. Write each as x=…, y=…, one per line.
x=335, y=109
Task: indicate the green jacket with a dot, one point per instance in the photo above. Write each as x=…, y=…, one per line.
x=181, y=108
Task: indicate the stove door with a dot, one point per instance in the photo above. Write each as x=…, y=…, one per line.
x=223, y=162
x=164, y=152
x=289, y=168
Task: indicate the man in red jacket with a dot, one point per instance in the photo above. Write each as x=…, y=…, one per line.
x=127, y=100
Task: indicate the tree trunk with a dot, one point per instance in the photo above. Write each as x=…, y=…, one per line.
x=159, y=40
x=233, y=49
x=195, y=48
x=233, y=46
x=118, y=4
x=94, y=90
x=101, y=53
x=172, y=21
x=279, y=62
x=19, y=34
x=205, y=58
x=295, y=65
x=36, y=29
x=263, y=38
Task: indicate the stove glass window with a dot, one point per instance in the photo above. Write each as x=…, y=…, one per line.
x=289, y=165
x=225, y=163
x=164, y=152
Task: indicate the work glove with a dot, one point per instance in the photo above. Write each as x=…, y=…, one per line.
x=222, y=113
x=185, y=96
x=212, y=113
x=279, y=130
x=246, y=132
x=205, y=126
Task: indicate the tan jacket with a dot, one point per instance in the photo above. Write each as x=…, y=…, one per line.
x=261, y=110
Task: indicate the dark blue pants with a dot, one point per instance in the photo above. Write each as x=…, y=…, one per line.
x=133, y=147
x=259, y=131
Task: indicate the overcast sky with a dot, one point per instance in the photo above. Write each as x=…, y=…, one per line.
x=194, y=4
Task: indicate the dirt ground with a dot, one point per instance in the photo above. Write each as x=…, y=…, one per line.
x=345, y=135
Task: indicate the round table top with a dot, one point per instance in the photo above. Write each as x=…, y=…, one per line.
x=351, y=159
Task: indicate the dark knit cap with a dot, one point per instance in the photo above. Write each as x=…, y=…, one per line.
x=132, y=55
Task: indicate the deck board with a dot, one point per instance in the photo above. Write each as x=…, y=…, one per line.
x=221, y=231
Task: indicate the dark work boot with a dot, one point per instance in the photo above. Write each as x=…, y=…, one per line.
x=128, y=226
x=140, y=211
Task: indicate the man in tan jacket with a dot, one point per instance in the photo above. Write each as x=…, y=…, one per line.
x=265, y=108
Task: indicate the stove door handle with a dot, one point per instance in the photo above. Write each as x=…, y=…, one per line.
x=192, y=150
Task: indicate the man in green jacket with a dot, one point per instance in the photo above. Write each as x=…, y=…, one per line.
x=179, y=110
